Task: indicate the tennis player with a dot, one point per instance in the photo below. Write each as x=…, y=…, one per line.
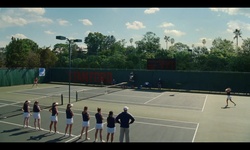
x=229, y=97
x=35, y=82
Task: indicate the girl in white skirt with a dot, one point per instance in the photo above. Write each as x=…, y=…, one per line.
x=26, y=113
x=37, y=115
x=53, y=117
x=111, y=126
x=69, y=119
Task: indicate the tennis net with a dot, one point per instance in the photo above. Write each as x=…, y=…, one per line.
x=86, y=94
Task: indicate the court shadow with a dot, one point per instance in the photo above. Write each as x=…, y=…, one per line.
x=57, y=139
x=225, y=107
x=77, y=140
x=11, y=130
x=39, y=137
x=149, y=90
x=23, y=132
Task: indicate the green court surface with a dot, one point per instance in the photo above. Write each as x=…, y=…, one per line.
x=160, y=116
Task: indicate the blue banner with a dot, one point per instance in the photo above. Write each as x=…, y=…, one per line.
x=41, y=72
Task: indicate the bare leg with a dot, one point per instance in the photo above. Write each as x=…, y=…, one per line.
x=39, y=123
x=233, y=102
x=55, y=123
x=70, y=129
x=96, y=132
x=86, y=133
x=50, y=126
x=108, y=137
x=35, y=123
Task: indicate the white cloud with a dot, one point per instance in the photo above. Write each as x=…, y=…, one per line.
x=49, y=32
x=166, y=24
x=19, y=36
x=232, y=25
x=8, y=21
x=86, y=22
x=230, y=11
x=38, y=11
x=135, y=25
x=151, y=10
x=23, y=16
x=174, y=33
x=63, y=22
x=233, y=11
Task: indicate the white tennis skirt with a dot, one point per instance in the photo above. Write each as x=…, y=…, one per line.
x=53, y=118
x=69, y=120
x=36, y=115
x=111, y=130
x=26, y=114
x=85, y=123
x=99, y=126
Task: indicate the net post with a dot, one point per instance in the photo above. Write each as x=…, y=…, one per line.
x=62, y=99
x=76, y=95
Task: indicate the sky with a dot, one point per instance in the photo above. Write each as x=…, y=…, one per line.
x=186, y=25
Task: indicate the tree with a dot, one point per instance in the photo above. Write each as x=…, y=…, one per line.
x=47, y=58
x=222, y=45
x=166, y=38
x=237, y=33
x=149, y=43
x=172, y=41
x=131, y=41
x=204, y=42
x=18, y=52
x=246, y=47
x=94, y=42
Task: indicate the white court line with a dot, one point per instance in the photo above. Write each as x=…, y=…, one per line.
x=136, y=103
x=19, y=125
x=10, y=104
x=26, y=91
x=163, y=125
x=195, y=132
x=77, y=136
x=204, y=103
x=153, y=98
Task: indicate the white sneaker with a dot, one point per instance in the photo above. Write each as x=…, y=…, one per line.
x=86, y=139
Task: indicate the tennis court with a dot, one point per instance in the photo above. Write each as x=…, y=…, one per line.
x=161, y=116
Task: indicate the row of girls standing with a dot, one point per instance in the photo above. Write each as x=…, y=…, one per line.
x=69, y=120
x=99, y=125
x=36, y=114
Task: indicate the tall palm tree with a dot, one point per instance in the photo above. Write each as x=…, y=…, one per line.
x=131, y=41
x=204, y=42
x=237, y=33
x=167, y=38
x=172, y=41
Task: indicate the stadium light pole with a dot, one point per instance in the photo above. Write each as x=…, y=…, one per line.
x=70, y=42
